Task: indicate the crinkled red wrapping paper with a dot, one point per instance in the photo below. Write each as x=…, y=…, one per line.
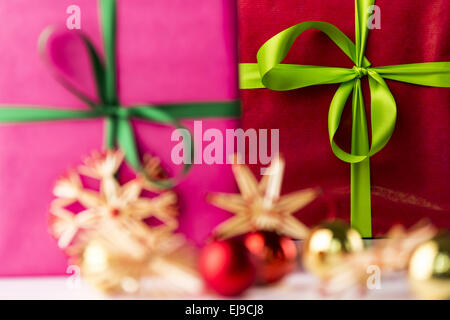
x=411, y=175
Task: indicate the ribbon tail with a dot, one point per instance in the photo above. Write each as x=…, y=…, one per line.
x=432, y=74
x=108, y=24
x=21, y=114
x=106, y=81
x=360, y=200
x=127, y=143
x=111, y=130
x=361, y=28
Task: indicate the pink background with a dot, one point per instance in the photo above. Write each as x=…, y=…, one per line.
x=168, y=51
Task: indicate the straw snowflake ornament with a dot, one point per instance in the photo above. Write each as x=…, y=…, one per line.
x=259, y=206
x=109, y=238
x=113, y=202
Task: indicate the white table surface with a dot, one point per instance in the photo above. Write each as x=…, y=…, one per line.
x=298, y=285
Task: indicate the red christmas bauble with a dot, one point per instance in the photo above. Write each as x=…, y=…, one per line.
x=226, y=267
x=274, y=255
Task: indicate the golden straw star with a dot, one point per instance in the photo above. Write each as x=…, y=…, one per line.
x=113, y=204
x=109, y=238
x=259, y=206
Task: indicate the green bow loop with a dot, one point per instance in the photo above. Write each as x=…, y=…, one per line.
x=269, y=72
x=383, y=115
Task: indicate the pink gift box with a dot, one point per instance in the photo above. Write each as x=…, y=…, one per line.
x=168, y=51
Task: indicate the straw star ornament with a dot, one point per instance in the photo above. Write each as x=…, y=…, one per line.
x=112, y=203
x=109, y=238
x=259, y=206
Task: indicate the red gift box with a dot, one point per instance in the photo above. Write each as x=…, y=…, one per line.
x=410, y=176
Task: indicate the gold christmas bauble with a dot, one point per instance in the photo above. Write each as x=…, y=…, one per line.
x=429, y=269
x=327, y=245
x=109, y=272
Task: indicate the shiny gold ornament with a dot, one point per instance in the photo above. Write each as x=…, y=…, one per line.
x=386, y=255
x=429, y=269
x=109, y=239
x=109, y=272
x=327, y=245
x=259, y=206
x=166, y=270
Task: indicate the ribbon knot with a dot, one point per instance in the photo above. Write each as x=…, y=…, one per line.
x=360, y=72
x=115, y=112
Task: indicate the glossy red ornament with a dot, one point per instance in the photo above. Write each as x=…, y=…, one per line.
x=274, y=255
x=226, y=267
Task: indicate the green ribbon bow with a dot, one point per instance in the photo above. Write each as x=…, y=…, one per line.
x=119, y=131
x=270, y=73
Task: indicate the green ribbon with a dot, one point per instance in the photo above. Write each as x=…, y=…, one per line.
x=119, y=131
x=270, y=73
